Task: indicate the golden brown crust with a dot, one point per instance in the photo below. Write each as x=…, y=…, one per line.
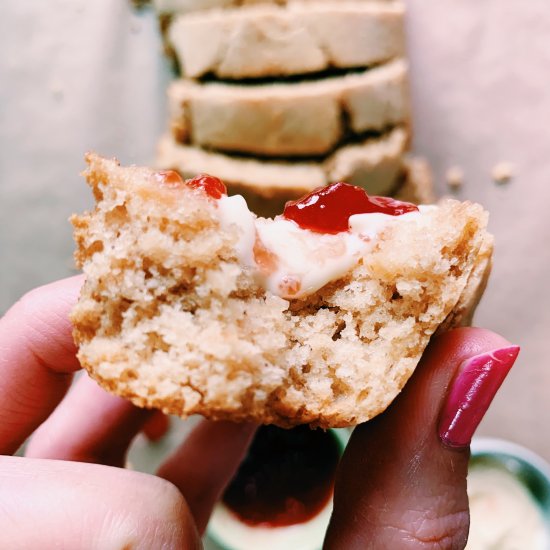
x=463, y=313
x=169, y=319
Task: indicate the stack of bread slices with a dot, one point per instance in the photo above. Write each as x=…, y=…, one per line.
x=278, y=97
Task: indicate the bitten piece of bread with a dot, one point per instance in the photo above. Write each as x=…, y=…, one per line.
x=175, y=315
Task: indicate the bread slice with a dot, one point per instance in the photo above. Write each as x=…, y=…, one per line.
x=418, y=186
x=170, y=7
x=289, y=119
x=271, y=41
x=376, y=165
x=171, y=318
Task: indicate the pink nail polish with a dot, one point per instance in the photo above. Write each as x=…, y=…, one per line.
x=472, y=391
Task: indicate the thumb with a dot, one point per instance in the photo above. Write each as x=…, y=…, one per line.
x=402, y=480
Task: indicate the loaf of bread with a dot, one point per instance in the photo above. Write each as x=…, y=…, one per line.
x=376, y=164
x=175, y=315
x=417, y=182
x=170, y=7
x=279, y=97
x=289, y=119
x=270, y=40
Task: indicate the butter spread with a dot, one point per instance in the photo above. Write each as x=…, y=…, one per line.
x=503, y=513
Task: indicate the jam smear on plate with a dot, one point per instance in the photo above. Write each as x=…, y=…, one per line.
x=287, y=477
x=328, y=209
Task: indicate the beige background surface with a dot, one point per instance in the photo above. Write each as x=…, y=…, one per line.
x=78, y=75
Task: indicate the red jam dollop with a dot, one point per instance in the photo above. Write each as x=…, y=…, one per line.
x=212, y=186
x=328, y=209
x=169, y=178
x=287, y=477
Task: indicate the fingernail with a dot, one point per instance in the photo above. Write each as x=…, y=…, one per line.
x=472, y=391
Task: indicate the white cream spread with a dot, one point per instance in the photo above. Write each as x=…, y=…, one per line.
x=234, y=211
x=503, y=514
x=305, y=261
x=292, y=262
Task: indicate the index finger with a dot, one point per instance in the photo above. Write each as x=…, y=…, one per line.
x=37, y=359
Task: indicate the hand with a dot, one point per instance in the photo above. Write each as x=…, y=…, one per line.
x=402, y=481
x=399, y=485
x=90, y=504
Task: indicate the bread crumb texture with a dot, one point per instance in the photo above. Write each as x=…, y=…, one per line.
x=169, y=319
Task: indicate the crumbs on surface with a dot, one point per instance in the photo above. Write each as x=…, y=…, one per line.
x=455, y=177
x=503, y=172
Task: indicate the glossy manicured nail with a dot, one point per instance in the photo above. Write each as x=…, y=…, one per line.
x=472, y=391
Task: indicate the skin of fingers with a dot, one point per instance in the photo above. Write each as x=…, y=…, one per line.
x=35, y=334
x=90, y=425
x=398, y=486
x=54, y=504
x=205, y=463
x=37, y=359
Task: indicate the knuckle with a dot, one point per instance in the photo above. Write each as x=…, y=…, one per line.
x=26, y=312
x=28, y=306
x=157, y=518
x=39, y=322
x=430, y=530
x=169, y=495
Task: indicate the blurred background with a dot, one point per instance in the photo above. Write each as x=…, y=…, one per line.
x=78, y=75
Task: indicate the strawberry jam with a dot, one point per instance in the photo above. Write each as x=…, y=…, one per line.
x=169, y=178
x=212, y=186
x=328, y=209
x=287, y=477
